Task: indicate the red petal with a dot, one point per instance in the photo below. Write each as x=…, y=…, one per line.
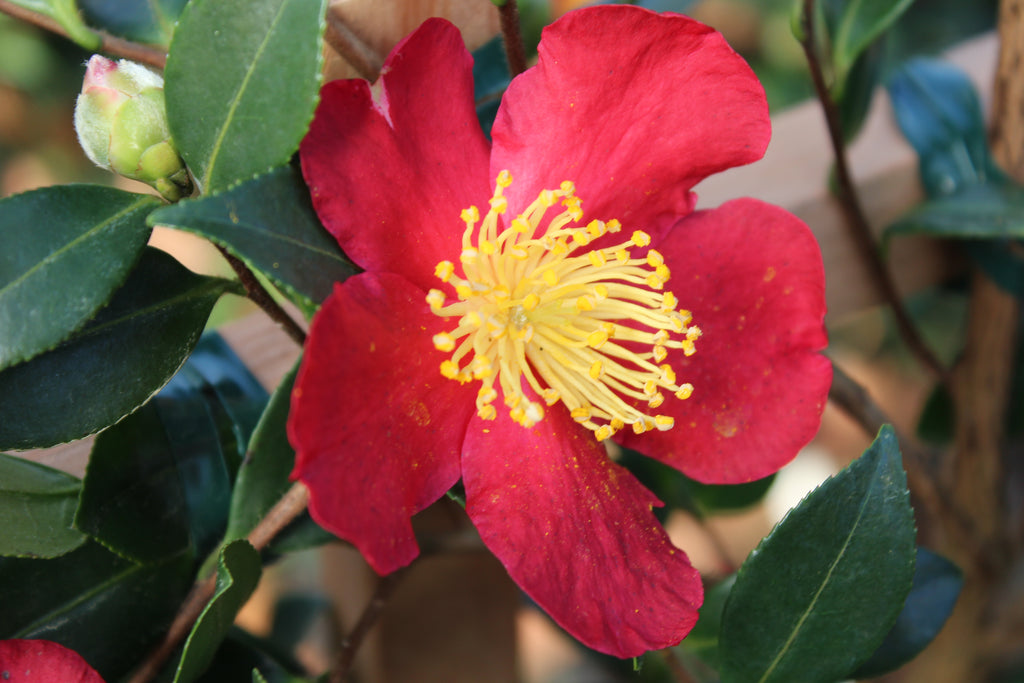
x=376, y=428
x=391, y=169
x=632, y=106
x=43, y=661
x=752, y=275
x=576, y=532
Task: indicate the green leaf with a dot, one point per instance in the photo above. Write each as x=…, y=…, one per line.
x=975, y=211
x=490, y=79
x=115, y=363
x=242, y=81
x=149, y=22
x=105, y=608
x=157, y=483
x=937, y=583
x=263, y=478
x=66, y=250
x=65, y=13
x=938, y=111
x=37, y=506
x=862, y=22
x=858, y=90
x=269, y=223
x=238, y=572
x=820, y=592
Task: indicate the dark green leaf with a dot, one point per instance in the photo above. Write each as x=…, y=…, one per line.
x=854, y=100
x=242, y=81
x=231, y=390
x=938, y=418
x=703, y=639
x=861, y=23
x=65, y=13
x=975, y=211
x=143, y=22
x=94, y=602
x=37, y=506
x=939, y=113
x=263, y=478
x=157, y=483
x=115, y=363
x=66, y=250
x=819, y=594
x=238, y=572
x=270, y=224
x=301, y=534
x=490, y=78
x=937, y=583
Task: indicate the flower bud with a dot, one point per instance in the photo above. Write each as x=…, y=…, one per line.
x=121, y=123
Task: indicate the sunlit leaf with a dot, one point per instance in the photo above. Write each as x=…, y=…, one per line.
x=65, y=13
x=143, y=22
x=861, y=23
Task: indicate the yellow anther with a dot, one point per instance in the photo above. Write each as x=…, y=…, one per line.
x=550, y=277
x=487, y=412
x=449, y=369
x=547, y=198
x=582, y=238
x=621, y=255
x=685, y=392
x=487, y=247
x=668, y=375
x=530, y=301
x=664, y=422
x=597, y=339
x=444, y=342
x=668, y=302
x=468, y=255
x=616, y=424
x=689, y=348
x=613, y=225
x=501, y=292
x=499, y=204
x=559, y=247
x=596, y=370
x=654, y=281
x=656, y=400
x=525, y=334
x=512, y=400
x=486, y=394
x=584, y=303
x=597, y=259
x=568, y=187
x=602, y=432
x=504, y=178
x=640, y=238
x=470, y=215
x=650, y=387
x=663, y=272
x=581, y=414
x=693, y=333
x=481, y=367
x=534, y=413
x=435, y=298
x=600, y=291
x=596, y=228
x=550, y=396
x=521, y=226
x=518, y=252
x=639, y=427
x=655, y=259
x=660, y=337
x=660, y=353
x=444, y=270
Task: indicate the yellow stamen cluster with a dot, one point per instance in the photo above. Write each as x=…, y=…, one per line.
x=591, y=328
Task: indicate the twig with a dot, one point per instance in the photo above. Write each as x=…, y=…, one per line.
x=351, y=48
x=255, y=291
x=346, y=657
x=857, y=222
x=512, y=37
x=290, y=506
x=137, y=52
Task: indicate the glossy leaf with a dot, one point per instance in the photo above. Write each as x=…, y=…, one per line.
x=270, y=224
x=115, y=363
x=149, y=22
x=263, y=478
x=66, y=250
x=65, y=13
x=976, y=211
x=858, y=89
x=242, y=81
x=37, y=507
x=90, y=599
x=238, y=572
x=937, y=583
x=862, y=22
x=157, y=484
x=938, y=111
x=827, y=584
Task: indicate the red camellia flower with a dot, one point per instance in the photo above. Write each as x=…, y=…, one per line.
x=43, y=661
x=525, y=300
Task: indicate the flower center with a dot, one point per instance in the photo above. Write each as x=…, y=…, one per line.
x=588, y=327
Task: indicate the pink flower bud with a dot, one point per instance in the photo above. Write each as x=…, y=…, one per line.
x=121, y=123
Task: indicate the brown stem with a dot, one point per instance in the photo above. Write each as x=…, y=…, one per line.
x=145, y=54
x=290, y=506
x=350, y=646
x=255, y=291
x=857, y=223
x=513, y=38
x=351, y=48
